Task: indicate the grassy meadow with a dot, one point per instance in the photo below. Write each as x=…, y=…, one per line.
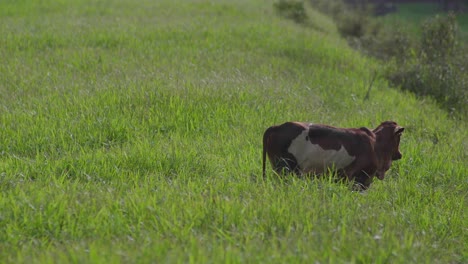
x=131, y=132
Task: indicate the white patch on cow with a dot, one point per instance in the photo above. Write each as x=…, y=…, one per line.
x=311, y=158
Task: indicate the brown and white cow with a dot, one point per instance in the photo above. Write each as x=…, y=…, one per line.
x=356, y=153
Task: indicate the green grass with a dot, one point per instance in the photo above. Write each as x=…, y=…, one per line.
x=131, y=132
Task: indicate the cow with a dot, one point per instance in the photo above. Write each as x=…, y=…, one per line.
x=357, y=154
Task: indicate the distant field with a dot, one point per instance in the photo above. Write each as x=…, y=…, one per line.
x=131, y=132
x=416, y=13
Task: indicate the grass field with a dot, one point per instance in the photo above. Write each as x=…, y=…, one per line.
x=131, y=133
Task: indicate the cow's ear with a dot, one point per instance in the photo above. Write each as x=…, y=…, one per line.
x=399, y=130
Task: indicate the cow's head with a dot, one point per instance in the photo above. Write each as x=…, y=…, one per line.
x=397, y=135
x=387, y=145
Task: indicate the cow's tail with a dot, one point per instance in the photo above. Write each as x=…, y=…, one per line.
x=266, y=139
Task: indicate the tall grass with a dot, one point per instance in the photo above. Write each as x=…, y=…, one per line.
x=131, y=132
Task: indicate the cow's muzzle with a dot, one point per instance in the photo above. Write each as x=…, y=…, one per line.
x=397, y=156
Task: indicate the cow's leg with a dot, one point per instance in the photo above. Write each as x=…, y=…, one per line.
x=354, y=170
x=286, y=164
x=363, y=179
x=349, y=173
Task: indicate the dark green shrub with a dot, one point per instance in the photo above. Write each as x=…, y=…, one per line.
x=439, y=38
x=433, y=65
x=353, y=21
x=443, y=82
x=387, y=44
x=438, y=68
x=334, y=8
x=292, y=9
x=352, y=24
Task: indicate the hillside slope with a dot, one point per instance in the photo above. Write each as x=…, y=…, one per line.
x=131, y=132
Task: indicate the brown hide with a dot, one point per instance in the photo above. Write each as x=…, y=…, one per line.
x=276, y=141
x=373, y=150
x=354, y=140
